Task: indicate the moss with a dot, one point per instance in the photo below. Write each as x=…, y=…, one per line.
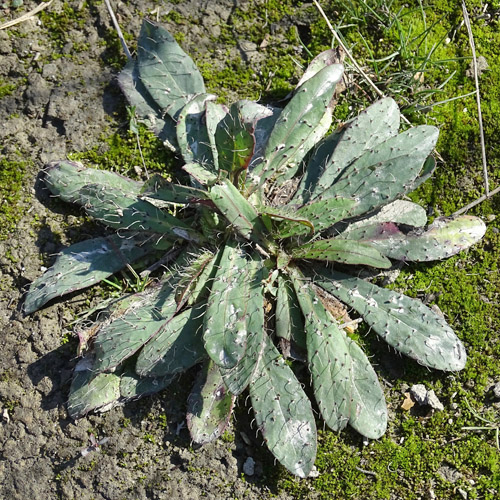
x=406, y=463
x=58, y=23
x=267, y=71
x=11, y=180
x=121, y=153
x=6, y=88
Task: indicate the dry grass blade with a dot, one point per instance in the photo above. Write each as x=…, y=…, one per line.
x=478, y=98
x=350, y=56
x=478, y=201
x=346, y=50
x=26, y=16
x=118, y=30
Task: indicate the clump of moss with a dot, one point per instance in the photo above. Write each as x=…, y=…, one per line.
x=6, y=88
x=11, y=180
x=130, y=154
x=59, y=23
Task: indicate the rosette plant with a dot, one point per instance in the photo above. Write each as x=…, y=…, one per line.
x=271, y=231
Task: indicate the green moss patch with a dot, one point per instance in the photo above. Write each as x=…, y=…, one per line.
x=11, y=180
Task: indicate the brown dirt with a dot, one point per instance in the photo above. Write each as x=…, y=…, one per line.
x=63, y=104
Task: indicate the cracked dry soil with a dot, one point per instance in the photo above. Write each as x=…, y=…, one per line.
x=64, y=99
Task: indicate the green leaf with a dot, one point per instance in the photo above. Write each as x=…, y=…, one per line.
x=322, y=60
x=175, y=347
x=321, y=214
x=289, y=320
x=368, y=413
x=443, y=238
x=238, y=211
x=141, y=317
x=90, y=392
x=399, y=211
x=239, y=376
x=80, y=266
x=329, y=360
x=289, y=217
x=425, y=173
x=373, y=126
x=133, y=387
x=300, y=125
x=192, y=134
x=233, y=297
x=65, y=179
x=195, y=279
x=203, y=174
x=386, y=172
x=404, y=323
x=168, y=73
x=127, y=211
x=146, y=109
x=345, y=385
x=344, y=251
x=262, y=118
x=210, y=405
x=235, y=142
x=214, y=114
x=283, y=413
x=162, y=193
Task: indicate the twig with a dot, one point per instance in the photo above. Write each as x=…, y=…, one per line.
x=484, y=427
x=26, y=16
x=118, y=30
x=350, y=56
x=368, y=472
x=478, y=201
x=346, y=50
x=478, y=98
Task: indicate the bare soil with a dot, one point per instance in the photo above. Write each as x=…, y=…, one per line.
x=65, y=99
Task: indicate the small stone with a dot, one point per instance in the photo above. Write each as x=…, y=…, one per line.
x=419, y=393
x=408, y=402
x=496, y=390
x=482, y=66
x=433, y=401
x=249, y=466
x=424, y=397
x=314, y=472
x=6, y=416
x=449, y=473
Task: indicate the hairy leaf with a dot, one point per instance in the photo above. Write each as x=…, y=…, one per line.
x=225, y=324
x=192, y=134
x=90, y=392
x=210, y=405
x=145, y=108
x=175, y=347
x=283, y=413
x=141, y=317
x=404, y=323
x=303, y=121
x=443, y=238
x=369, y=129
x=82, y=265
x=65, y=179
x=167, y=72
x=344, y=251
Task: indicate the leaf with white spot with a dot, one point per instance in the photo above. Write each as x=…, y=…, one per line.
x=283, y=413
